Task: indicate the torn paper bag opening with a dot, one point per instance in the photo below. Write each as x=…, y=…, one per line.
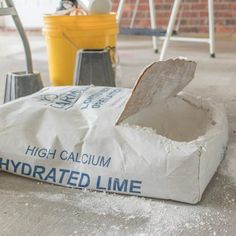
x=152, y=141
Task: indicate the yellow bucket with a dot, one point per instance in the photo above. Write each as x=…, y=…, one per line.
x=65, y=35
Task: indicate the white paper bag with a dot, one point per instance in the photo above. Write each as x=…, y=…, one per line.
x=148, y=141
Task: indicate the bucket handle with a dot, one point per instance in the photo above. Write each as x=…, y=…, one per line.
x=70, y=41
x=73, y=44
x=77, y=48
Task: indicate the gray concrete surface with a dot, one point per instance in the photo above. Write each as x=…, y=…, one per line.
x=32, y=208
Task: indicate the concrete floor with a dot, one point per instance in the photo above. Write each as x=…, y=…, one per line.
x=32, y=208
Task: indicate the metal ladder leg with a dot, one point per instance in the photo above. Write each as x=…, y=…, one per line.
x=134, y=14
x=170, y=28
x=23, y=36
x=153, y=23
x=211, y=27
x=179, y=18
x=120, y=11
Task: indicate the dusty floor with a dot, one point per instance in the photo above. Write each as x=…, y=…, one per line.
x=31, y=208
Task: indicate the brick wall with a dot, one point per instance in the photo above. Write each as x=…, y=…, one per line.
x=194, y=15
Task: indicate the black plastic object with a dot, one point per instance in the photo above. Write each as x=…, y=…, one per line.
x=20, y=84
x=94, y=67
x=67, y=4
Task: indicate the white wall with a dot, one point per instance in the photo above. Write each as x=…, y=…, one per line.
x=31, y=12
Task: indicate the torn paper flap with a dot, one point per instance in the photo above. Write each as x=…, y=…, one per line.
x=159, y=81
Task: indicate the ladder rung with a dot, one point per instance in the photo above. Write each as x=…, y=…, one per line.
x=142, y=31
x=7, y=11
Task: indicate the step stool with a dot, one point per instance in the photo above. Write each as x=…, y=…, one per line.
x=170, y=29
